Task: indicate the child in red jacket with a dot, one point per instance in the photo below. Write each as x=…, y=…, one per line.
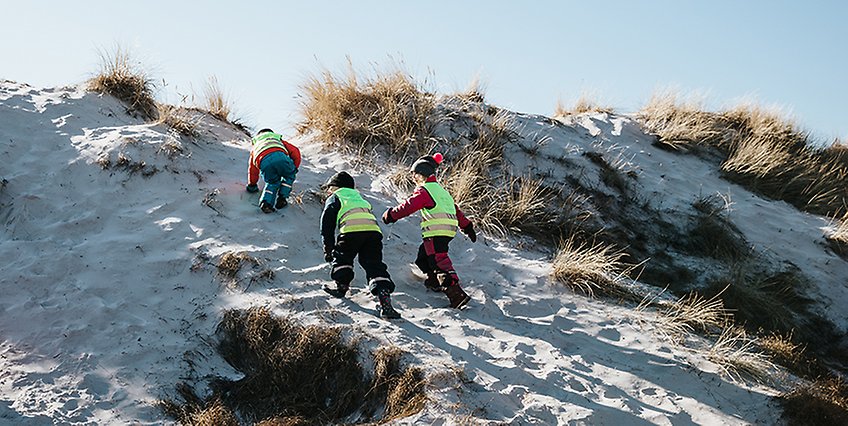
x=440, y=219
x=277, y=161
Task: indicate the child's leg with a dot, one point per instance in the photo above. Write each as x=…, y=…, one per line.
x=287, y=174
x=342, y=267
x=439, y=261
x=371, y=259
x=270, y=172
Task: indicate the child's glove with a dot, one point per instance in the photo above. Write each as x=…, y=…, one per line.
x=328, y=253
x=252, y=187
x=470, y=232
x=387, y=217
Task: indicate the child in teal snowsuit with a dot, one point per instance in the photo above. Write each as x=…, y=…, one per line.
x=277, y=161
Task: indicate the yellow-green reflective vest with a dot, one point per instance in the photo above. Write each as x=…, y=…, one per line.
x=440, y=221
x=268, y=140
x=355, y=214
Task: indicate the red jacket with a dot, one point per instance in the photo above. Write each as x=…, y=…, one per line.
x=421, y=199
x=255, y=159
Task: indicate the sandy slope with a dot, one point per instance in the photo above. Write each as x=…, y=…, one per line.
x=102, y=311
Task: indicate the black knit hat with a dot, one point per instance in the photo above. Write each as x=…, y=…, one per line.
x=265, y=130
x=426, y=165
x=340, y=180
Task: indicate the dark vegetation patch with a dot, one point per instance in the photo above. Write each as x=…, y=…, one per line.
x=296, y=374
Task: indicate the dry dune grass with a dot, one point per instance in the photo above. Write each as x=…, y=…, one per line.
x=690, y=313
x=360, y=113
x=736, y=354
x=584, y=104
x=838, y=238
x=819, y=402
x=216, y=101
x=762, y=300
x=296, y=374
x=123, y=79
x=593, y=269
x=183, y=120
x=762, y=149
x=713, y=234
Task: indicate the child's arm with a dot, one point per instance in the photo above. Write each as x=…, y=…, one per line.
x=420, y=199
x=252, y=171
x=328, y=220
x=466, y=225
x=294, y=153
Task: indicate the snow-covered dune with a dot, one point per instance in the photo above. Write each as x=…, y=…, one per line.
x=110, y=295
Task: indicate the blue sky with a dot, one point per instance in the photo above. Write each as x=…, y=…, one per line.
x=528, y=54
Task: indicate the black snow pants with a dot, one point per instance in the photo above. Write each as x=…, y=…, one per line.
x=368, y=246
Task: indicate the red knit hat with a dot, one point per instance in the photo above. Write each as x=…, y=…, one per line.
x=426, y=165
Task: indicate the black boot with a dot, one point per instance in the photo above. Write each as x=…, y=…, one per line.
x=386, y=309
x=339, y=291
x=457, y=297
x=266, y=207
x=432, y=283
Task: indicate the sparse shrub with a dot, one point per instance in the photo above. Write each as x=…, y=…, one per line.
x=182, y=120
x=389, y=110
x=734, y=352
x=821, y=402
x=593, y=269
x=296, y=375
x=121, y=78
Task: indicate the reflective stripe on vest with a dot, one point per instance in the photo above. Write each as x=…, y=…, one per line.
x=268, y=140
x=355, y=214
x=440, y=221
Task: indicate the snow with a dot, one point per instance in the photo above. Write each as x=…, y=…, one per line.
x=110, y=295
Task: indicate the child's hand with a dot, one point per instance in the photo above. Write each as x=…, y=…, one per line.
x=328, y=253
x=470, y=232
x=252, y=187
x=387, y=217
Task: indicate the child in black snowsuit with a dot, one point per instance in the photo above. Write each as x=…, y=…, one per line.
x=359, y=234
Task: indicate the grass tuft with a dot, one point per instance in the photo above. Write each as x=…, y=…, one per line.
x=691, y=313
x=295, y=375
x=593, y=269
x=713, y=234
x=216, y=102
x=820, y=402
x=121, y=78
x=358, y=113
x=584, y=104
x=734, y=352
x=183, y=120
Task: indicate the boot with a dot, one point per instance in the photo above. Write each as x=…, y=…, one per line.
x=340, y=291
x=281, y=202
x=266, y=207
x=457, y=297
x=385, y=308
x=432, y=283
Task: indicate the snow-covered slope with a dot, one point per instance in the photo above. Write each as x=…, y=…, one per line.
x=110, y=295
